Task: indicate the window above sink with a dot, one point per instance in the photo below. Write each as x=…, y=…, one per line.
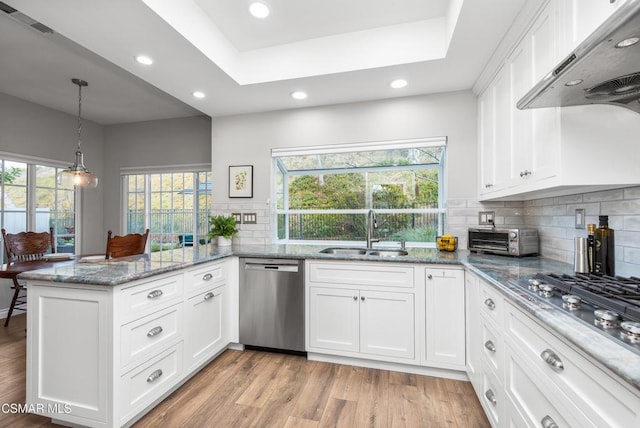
x=324, y=193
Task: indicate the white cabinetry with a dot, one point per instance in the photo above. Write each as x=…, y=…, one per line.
x=473, y=330
x=582, y=17
x=445, y=318
x=361, y=310
x=529, y=377
x=550, y=151
x=110, y=352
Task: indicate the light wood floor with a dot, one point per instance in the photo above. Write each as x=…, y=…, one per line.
x=257, y=389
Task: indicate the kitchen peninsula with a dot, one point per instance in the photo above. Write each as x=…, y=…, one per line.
x=109, y=340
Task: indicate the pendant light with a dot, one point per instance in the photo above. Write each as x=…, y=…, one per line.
x=78, y=175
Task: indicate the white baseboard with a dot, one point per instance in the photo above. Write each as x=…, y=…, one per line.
x=396, y=367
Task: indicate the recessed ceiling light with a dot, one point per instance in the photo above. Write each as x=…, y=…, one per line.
x=398, y=83
x=628, y=42
x=143, y=59
x=298, y=95
x=259, y=9
x=199, y=94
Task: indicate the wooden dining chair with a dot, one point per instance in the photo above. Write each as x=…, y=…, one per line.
x=23, y=247
x=125, y=245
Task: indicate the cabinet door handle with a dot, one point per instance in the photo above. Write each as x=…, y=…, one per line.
x=551, y=358
x=521, y=174
x=362, y=298
x=491, y=396
x=490, y=346
x=548, y=422
x=154, y=376
x=429, y=276
x=489, y=303
x=209, y=295
x=154, y=331
x=207, y=277
x=355, y=297
x=154, y=294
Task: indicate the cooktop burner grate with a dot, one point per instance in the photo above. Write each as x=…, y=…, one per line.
x=621, y=295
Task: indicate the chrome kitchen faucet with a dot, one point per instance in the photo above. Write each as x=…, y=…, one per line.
x=372, y=224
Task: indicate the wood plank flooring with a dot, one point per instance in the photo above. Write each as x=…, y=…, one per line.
x=257, y=389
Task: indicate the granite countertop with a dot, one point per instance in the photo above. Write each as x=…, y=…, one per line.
x=499, y=271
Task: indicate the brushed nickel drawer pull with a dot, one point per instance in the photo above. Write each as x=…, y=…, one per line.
x=551, y=358
x=209, y=295
x=548, y=422
x=490, y=346
x=429, y=276
x=490, y=303
x=207, y=277
x=491, y=396
x=154, y=294
x=154, y=331
x=154, y=376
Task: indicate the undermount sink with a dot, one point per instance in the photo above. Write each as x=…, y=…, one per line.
x=376, y=252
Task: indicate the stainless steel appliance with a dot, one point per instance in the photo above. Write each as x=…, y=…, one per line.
x=507, y=242
x=604, y=69
x=272, y=303
x=610, y=305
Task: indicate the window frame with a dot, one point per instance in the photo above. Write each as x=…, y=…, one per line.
x=278, y=168
x=31, y=210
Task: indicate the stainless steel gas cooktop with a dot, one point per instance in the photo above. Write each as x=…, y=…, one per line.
x=609, y=304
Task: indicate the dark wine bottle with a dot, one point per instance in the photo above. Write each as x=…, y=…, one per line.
x=604, y=248
x=591, y=244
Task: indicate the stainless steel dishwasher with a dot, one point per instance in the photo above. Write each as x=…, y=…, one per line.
x=272, y=303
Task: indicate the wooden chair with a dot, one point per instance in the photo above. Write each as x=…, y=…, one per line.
x=126, y=245
x=23, y=247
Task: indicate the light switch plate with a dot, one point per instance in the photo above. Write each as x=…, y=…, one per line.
x=580, y=218
x=249, y=218
x=238, y=217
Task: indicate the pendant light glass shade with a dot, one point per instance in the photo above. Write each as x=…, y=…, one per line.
x=78, y=175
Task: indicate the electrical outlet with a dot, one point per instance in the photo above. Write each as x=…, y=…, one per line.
x=249, y=218
x=238, y=217
x=486, y=217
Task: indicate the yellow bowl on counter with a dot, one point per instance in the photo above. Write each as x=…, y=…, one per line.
x=447, y=243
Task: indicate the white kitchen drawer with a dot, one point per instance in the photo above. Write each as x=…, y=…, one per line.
x=363, y=274
x=147, y=382
x=603, y=400
x=143, y=299
x=147, y=336
x=491, y=304
x=535, y=400
x=492, y=398
x=493, y=349
x=211, y=274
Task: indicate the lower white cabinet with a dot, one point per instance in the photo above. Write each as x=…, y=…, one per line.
x=445, y=318
x=361, y=310
x=518, y=379
x=368, y=322
x=108, y=353
x=205, y=333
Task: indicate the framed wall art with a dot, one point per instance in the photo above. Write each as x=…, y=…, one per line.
x=241, y=181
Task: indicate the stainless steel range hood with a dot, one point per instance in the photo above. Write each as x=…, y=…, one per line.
x=599, y=70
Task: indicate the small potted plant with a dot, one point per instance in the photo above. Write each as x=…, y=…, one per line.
x=223, y=228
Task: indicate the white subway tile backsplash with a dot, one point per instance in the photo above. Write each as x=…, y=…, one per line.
x=605, y=195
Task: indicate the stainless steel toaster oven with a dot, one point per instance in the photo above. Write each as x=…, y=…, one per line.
x=507, y=242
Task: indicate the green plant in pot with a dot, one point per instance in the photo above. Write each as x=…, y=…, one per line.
x=222, y=227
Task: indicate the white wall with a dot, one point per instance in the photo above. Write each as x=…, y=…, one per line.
x=34, y=130
x=150, y=144
x=248, y=139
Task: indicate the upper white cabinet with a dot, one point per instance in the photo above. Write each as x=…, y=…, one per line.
x=581, y=17
x=552, y=151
